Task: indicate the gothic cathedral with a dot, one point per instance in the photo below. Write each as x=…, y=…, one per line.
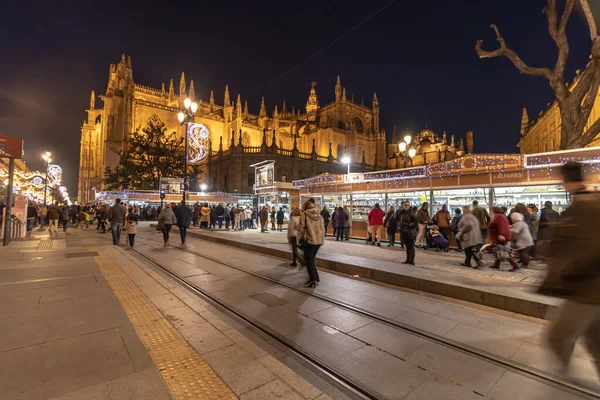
x=303, y=143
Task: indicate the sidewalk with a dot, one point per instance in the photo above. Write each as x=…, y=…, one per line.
x=437, y=273
x=63, y=334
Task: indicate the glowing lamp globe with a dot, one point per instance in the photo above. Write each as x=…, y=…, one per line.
x=194, y=107
x=402, y=146
x=412, y=153
x=187, y=103
x=180, y=117
x=407, y=139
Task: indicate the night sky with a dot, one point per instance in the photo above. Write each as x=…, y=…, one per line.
x=417, y=55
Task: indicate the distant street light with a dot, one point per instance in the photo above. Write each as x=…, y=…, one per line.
x=347, y=160
x=203, y=187
x=186, y=116
x=47, y=160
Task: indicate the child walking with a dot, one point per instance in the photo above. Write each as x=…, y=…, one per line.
x=131, y=228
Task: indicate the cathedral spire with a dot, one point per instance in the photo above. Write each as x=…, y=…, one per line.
x=162, y=88
x=226, y=100
x=275, y=113
x=129, y=61
x=192, y=91
x=123, y=58
x=263, y=110
x=92, y=100
x=376, y=125
x=313, y=103
x=452, y=142
x=171, y=90
x=524, y=122
x=211, y=100
x=182, y=85
x=238, y=107
x=245, y=109
x=338, y=90
x=344, y=95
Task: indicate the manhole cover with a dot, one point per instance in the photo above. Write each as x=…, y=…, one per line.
x=82, y=254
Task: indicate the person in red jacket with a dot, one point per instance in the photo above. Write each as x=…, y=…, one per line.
x=500, y=235
x=376, y=223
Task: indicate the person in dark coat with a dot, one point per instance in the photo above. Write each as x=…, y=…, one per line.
x=573, y=272
x=333, y=223
x=326, y=216
x=408, y=226
x=390, y=225
x=220, y=214
x=280, y=218
x=548, y=219
x=184, y=219
x=340, y=221
x=213, y=217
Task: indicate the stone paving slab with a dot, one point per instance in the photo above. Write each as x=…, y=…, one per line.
x=436, y=273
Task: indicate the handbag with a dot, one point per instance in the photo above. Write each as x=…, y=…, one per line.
x=160, y=225
x=303, y=241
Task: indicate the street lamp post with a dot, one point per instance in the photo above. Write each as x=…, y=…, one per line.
x=347, y=160
x=186, y=116
x=47, y=160
x=406, y=152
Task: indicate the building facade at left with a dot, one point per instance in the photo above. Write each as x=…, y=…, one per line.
x=302, y=142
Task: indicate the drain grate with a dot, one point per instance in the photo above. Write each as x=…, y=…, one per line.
x=82, y=254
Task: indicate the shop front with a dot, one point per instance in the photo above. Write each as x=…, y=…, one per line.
x=502, y=180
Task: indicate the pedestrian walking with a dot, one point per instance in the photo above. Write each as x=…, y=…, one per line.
x=54, y=216
x=42, y=215
x=131, y=228
x=442, y=219
x=228, y=215
x=326, y=216
x=263, y=215
x=292, y=235
x=273, y=215
x=220, y=214
x=483, y=217
x=454, y=226
x=280, y=218
x=247, y=215
x=348, y=223
x=65, y=216
x=423, y=218
x=166, y=219
x=183, y=214
x=101, y=217
x=408, y=226
x=116, y=217
x=522, y=240
x=375, y=218
x=204, y=216
x=81, y=219
x=340, y=220
x=32, y=214
x=311, y=230
x=500, y=235
x=390, y=225
x=469, y=236
x=213, y=217
x=333, y=222
x=573, y=275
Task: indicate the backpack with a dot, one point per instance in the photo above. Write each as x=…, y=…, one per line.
x=454, y=223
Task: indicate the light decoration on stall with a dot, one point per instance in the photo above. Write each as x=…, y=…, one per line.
x=322, y=179
x=54, y=175
x=198, y=137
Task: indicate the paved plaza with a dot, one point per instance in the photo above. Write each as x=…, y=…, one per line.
x=84, y=319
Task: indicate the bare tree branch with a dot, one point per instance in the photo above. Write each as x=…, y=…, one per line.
x=550, y=11
x=562, y=28
x=512, y=56
x=590, y=19
x=561, y=40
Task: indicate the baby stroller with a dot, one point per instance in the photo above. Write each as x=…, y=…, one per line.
x=435, y=239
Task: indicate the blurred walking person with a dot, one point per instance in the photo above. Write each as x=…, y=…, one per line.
x=348, y=223
x=340, y=221
x=116, y=217
x=469, y=236
x=423, y=218
x=131, y=228
x=375, y=217
x=32, y=214
x=408, y=226
x=500, y=235
x=53, y=218
x=391, y=226
x=442, y=219
x=280, y=219
x=166, y=219
x=522, y=239
x=326, y=216
x=263, y=215
x=292, y=235
x=311, y=230
x=574, y=275
x=484, y=219
x=42, y=214
x=183, y=214
x=454, y=226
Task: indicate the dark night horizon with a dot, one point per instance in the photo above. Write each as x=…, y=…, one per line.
x=418, y=58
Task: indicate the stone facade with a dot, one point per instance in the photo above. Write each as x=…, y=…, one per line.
x=302, y=142
x=543, y=134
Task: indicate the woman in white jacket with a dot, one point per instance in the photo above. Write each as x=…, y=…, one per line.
x=522, y=240
x=292, y=235
x=312, y=228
